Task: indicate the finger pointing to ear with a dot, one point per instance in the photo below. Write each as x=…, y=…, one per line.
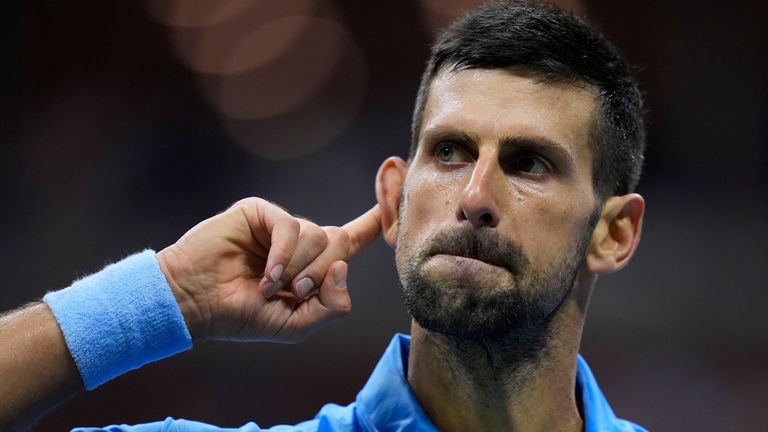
x=363, y=230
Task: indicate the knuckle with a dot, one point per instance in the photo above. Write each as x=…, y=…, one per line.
x=287, y=224
x=244, y=201
x=240, y=206
x=292, y=222
x=315, y=235
x=248, y=202
x=339, y=237
x=332, y=231
x=256, y=202
x=345, y=241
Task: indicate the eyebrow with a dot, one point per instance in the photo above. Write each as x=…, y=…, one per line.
x=538, y=144
x=449, y=135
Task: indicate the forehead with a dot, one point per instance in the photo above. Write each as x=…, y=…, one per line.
x=496, y=103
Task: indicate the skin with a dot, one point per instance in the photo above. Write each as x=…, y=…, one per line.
x=257, y=273
x=36, y=369
x=535, y=190
x=225, y=274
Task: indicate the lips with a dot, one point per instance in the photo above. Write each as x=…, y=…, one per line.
x=486, y=258
x=484, y=245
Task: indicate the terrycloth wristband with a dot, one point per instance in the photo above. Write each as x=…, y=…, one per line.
x=119, y=319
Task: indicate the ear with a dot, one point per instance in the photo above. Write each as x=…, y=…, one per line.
x=616, y=234
x=389, y=183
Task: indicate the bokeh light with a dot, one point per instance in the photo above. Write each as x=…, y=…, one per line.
x=267, y=66
x=291, y=79
x=248, y=41
x=315, y=123
x=197, y=13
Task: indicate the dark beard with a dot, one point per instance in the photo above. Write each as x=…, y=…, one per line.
x=516, y=317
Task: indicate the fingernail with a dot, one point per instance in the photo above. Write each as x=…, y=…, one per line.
x=270, y=288
x=341, y=277
x=276, y=272
x=304, y=286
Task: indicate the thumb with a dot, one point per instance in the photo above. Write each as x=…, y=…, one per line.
x=333, y=293
x=331, y=303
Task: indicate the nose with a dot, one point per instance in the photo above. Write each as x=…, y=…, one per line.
x=478, y=204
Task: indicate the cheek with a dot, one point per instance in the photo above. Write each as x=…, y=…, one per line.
x=427, y=199
x=425, y=208
x=552, y=232
x=435, y=191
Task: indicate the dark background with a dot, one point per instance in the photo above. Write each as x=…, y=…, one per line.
x=125, y=123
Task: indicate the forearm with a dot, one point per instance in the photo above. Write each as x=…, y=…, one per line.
x=103, y=325
x=36, y=369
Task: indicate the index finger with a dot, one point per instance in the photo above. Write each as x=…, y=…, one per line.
x=363, y=230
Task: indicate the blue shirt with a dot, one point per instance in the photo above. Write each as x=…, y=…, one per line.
x=386, y=403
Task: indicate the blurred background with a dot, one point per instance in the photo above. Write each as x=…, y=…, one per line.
x=125, y=123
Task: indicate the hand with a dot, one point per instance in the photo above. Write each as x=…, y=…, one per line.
x=256, y=273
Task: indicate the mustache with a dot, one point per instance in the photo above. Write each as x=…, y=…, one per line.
x=483, y=244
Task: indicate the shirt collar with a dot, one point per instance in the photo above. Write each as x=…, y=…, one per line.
x=387, y=403
x=595, y=411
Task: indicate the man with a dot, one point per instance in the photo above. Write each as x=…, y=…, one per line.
x=527, y=144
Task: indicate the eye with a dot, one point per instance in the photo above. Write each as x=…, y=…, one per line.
x=531, y=163
x=449, y=152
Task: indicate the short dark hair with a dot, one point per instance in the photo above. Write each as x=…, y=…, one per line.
x=553, y=45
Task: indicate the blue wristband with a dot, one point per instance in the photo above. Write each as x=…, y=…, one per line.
x=119, y=319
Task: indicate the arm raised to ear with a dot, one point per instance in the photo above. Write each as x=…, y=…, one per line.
x=251, y=273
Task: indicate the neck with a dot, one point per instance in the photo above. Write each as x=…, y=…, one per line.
x=493, y=385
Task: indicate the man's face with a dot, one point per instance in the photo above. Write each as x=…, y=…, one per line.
x=497, y=202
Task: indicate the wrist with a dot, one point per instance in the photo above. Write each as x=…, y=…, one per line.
x=119, y=319
x=178, y=272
